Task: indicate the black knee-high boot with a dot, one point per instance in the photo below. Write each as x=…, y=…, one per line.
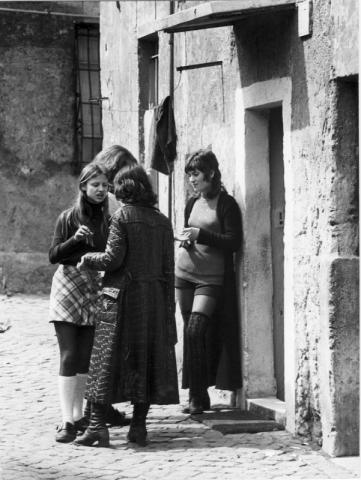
x=97, y=431
x=205, y=401
x=138, y=432
x=197, y=367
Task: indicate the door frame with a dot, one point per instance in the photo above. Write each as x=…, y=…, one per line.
x=255, y=266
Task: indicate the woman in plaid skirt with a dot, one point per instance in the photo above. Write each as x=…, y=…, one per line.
x=78, y=230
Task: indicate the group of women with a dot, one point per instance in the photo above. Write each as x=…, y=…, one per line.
x=116, y=330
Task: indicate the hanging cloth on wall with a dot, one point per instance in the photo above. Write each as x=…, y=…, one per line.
x=164, y=149
x=149, y=137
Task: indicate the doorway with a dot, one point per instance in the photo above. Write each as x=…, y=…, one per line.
x=266, y=196
x=263, y=269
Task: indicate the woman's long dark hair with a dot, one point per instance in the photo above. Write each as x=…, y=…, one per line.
x=206, y=162
x=132, y=186
x=114, y=158
x=83, y=211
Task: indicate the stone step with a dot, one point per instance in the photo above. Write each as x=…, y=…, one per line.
x=270, y=408
x=235, y=420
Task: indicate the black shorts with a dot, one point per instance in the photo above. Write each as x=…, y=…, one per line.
x=199, y=288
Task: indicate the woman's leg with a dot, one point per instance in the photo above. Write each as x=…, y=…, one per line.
x=97, y=431
x=85, y=344
x=202, y=309
x=138, y=431
x=204, y=304
x=67, y=339
x=184, y=298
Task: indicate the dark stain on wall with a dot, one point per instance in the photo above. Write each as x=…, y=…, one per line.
x=37, y=134
x=268, y=47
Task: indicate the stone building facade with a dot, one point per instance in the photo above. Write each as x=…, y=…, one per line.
x=272, y=87
x=39, y=127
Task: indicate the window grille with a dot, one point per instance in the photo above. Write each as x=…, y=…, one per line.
x=88, y=95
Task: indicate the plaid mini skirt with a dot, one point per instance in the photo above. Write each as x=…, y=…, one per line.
x=74, y=296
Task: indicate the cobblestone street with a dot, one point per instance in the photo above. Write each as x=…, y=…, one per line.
x=179, y=447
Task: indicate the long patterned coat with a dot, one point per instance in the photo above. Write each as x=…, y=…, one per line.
x=133, y=357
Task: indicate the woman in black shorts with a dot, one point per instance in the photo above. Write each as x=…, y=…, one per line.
x=205, y=284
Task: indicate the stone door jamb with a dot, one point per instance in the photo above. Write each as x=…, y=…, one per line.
x=255, y=268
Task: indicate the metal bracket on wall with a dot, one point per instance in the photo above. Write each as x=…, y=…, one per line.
x=98, y=100
x=218, y=63
x=198, y=65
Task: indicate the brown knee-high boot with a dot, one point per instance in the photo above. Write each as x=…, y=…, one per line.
x=197, y=366
x=97, y=431
x=137, y=431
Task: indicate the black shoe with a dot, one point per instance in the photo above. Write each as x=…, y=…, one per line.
x=138, y=434
x=90, y=437
x=195, y=407
x=198, y=406
x=81, y=425
x=66, y=433
x=114, y=418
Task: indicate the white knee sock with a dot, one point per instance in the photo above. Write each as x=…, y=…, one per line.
x=67, y=386
x=81, y=379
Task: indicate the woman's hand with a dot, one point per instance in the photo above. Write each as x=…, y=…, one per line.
x=81, y=265
x=179, y=237
x=83, y=233
x=188, y=234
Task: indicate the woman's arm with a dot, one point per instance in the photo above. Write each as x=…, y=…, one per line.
x=231, y=237
x=61, y=247
x=115, y=250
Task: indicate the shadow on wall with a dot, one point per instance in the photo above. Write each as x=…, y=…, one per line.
x=268, y=47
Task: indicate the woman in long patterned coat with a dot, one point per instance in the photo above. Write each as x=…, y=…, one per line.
x=133, y=358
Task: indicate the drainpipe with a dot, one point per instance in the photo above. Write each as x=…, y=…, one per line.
x=171, y=94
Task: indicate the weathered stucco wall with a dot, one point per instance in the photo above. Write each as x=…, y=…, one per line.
x=37, y=134
x=324, y=185
x=345, y=41
x=320, y=183
x=119, y=66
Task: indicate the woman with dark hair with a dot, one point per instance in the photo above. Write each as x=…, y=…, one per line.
x=114, y=159
x=78, y=230
x=133, y=358
x=205, y=284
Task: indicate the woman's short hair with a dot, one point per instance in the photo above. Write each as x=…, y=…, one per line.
x=114, y=158
x=206, y=162
x=132, y=186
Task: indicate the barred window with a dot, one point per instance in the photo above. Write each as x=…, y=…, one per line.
x=88, y=95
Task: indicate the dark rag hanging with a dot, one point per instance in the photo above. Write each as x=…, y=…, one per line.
x=164, y=148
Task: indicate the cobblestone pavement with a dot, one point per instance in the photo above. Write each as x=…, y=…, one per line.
x=179, y=448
